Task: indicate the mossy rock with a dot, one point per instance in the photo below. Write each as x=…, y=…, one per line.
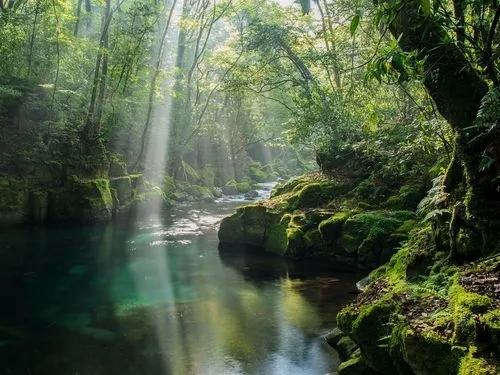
x=319, y=194
x=147, y=200
x=276, y=238
x=231, y=229
x=83, y=200
x=368, y=328
x=296, y=243
x=243, y=187
x=370, y=192
x=346, y=347
x=251, y=225
x=491, y=327
x=195, y=192
x=313, y=240
x=117, y=166
x=333, y=336
x=257, y=174
x=331, y=228
x=408, y=198
x=355, y=366
x=123, y=188
x=368, y=237
x=428, y=353
x=230, y=188
x=464, y=306
x=474, y=364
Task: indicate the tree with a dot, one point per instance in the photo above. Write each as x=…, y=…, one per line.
x=459, y=90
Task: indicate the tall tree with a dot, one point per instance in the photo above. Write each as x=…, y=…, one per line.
x=459, y=87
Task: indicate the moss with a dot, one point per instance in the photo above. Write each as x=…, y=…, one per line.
x=117, y=166
x=87, y=200
x=464, y=305
x=472, y=364
x=313, y=239
x=298, y=221
x=355, y=366
x=149, y=198
x=319, y=193
x=370, y=192
x=368, y=236
x=346, y=347
x=408, y=198
x=243, y=187
x=491, y=327
x=330, y=228
x=276, y=238
x=428, y=353
x=296, y=242
x=406, y=227
x=123, y=188
x=368, y=329
x=257, y=173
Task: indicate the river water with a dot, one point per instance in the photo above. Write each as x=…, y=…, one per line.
x=155, y=297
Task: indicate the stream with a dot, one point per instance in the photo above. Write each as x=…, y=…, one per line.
x=155, y=297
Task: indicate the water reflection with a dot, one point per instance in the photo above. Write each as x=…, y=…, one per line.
x=116, y=300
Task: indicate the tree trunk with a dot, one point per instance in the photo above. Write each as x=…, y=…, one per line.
x=457, y=91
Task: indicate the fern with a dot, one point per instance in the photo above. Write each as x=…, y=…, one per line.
x=436, y=196
x=486, y=128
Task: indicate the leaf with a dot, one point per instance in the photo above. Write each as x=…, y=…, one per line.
x=426, y=7
x=354, y=24
x=435, y=213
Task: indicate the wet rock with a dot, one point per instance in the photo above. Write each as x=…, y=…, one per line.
x=355, y=366
x=252, y=194
x=333, y=337
x=230, y=190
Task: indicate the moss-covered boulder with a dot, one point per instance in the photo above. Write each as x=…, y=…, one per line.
x=331, y=228
x=369, y=327
x=85, y=200
x=122, y=187
x=253, y=225
x=428, y=353
x=367, y=236
x=408, y=198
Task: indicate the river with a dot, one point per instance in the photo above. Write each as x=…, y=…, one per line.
x=155, y=297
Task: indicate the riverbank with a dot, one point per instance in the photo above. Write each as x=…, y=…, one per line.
x=423, y=313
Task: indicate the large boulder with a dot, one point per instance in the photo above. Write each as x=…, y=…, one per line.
x=83, y=200
x=253, y=225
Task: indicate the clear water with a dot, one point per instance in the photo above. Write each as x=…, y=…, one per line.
x=156, y=298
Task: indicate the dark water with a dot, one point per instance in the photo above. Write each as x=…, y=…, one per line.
x=156, y=298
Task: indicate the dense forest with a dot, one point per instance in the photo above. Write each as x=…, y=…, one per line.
x=387, y=110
